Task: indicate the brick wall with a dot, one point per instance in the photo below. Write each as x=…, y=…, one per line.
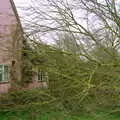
x=7, y=25
x=4, y=87
x=10, y=39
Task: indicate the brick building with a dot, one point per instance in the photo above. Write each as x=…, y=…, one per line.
x=10, y=48
x=10, y=44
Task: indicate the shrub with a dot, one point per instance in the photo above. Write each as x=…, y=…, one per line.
x=31, y=100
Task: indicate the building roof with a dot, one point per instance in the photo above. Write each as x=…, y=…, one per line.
x=16, y=14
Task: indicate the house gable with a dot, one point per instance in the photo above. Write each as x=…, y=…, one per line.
x=10, y=40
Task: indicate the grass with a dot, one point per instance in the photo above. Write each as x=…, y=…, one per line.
x=57, y=116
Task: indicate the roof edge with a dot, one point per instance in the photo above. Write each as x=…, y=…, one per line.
x=16, y=14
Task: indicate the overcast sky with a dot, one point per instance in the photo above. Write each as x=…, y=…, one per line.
x=17, y=2
x=20, y=3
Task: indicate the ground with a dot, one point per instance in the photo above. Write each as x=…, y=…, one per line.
x=57, y=116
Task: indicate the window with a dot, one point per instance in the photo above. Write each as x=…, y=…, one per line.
x=4, y=73
x=42, y=76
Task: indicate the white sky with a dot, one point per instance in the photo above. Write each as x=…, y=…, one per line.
x=17, y=2
x=19, y=5
x=22, y=3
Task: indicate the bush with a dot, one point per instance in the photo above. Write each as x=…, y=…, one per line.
x=28, y=100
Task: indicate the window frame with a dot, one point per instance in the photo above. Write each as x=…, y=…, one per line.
x=3, y=73
x=43, y=75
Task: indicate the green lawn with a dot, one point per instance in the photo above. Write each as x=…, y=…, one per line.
x=57, y=116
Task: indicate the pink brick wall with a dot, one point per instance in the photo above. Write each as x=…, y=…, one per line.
x=4, y=87
x=7, y=25
x=37, y=84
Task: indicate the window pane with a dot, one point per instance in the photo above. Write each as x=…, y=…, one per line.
x=1, y=72
x=42, y=76
x=6, y=73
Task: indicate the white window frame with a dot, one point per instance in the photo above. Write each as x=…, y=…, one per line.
x=43, y=76
x=3, y=73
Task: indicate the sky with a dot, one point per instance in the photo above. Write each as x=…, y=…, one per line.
x=20, y=3
x=17, y=2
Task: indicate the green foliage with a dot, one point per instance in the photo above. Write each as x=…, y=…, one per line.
x=24, y=100
x=84, y=66
x=26, y=63
x=75, y=82
x=55, y=115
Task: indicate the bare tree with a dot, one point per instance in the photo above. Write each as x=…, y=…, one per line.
x=95, y=22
